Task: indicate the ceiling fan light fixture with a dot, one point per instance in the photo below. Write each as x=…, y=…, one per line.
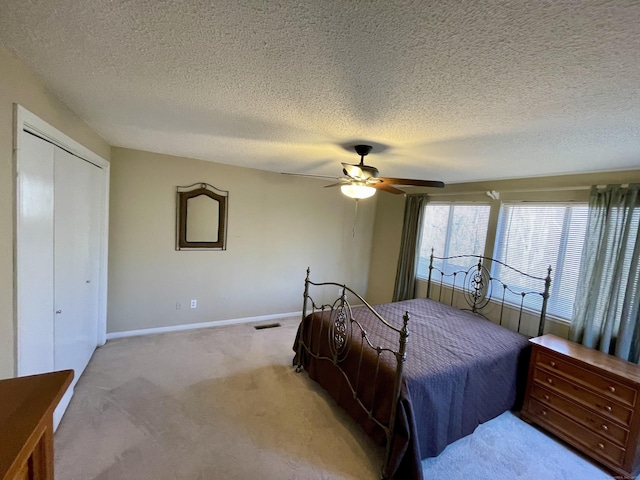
x=353, y=190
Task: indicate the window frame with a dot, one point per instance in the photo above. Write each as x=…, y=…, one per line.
x=558, y=269
x=574, y=194
x=447, y=237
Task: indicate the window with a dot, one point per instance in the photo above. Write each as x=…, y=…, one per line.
x=452, y=230
x=530, y=238
x=533, y=236
x=616, y=297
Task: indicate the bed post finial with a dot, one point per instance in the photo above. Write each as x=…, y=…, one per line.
x=305, y=296
x=429, y=279
x=306, y=293
x=545, y=298
x=405, y=330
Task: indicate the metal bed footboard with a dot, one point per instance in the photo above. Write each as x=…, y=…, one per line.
x=342, y=331
x=477, y=287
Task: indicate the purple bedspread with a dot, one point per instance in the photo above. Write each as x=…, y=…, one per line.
x=461, y=371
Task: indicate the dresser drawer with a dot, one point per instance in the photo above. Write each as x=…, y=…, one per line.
x=582, y=415
x=583, y=396
x=603, y=385
x=576, y=434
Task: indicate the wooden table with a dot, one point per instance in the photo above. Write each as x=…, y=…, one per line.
x=26, y=424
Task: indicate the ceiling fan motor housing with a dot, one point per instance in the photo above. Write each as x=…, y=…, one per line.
x=361, y=171
x=363, y=150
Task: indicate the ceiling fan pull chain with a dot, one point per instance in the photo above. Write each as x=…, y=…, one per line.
x=355, y=220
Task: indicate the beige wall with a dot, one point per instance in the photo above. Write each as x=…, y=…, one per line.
x=278, y=225
x=388, y=223
x=19, y=85
x=385, y=247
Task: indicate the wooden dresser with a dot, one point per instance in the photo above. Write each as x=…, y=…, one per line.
x=26, y=424
x=587, y=398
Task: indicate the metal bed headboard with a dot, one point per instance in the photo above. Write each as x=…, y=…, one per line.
x=339, y=333
x=477, y=286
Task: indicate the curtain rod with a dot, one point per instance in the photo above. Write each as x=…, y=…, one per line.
x=525, y=190
x=513, y=190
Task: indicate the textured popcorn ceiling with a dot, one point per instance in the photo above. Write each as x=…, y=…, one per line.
x=448, y=90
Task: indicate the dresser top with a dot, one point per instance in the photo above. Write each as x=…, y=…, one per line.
x=590, y=356
x=27, y=402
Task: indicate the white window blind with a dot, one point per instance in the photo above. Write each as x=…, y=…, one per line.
x=452, y=230
x=606, y=299
x=533, y=236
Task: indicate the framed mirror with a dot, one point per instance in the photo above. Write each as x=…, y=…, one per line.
x=201, y=217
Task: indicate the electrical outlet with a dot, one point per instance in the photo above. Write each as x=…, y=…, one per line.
x=178, y=306
x=194, y=303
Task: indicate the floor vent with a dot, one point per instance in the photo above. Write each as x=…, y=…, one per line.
x=268, y=325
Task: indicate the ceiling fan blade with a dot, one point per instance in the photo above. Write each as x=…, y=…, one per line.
x=310, y=176
x=409, y=181
x=344, y=182
x=386, y=187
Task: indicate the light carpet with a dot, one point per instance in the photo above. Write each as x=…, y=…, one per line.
x=506, y=448
x=225, y=403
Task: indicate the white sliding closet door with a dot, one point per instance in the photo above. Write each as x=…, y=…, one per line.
x=77, y=220
x=61, y=240
x=76, y=255
x=34, y=259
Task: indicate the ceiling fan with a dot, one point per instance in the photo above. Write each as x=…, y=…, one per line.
x=362, y=180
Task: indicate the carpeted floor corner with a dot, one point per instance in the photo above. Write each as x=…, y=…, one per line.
x=225, y=404
x=506, y=448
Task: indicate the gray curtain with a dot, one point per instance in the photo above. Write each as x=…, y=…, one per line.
x=405, y=287
x=607, y=300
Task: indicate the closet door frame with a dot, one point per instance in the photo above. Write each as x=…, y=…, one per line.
x=24, y=120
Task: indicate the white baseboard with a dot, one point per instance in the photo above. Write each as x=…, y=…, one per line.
x=193, y=326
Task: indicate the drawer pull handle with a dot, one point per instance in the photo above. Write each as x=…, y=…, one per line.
x=605, y=428
x=608, y=408
x=601, y=446
x=544, y=413
x=612, y=389
x=552, y=363
x=546, y=397
x=550, y=381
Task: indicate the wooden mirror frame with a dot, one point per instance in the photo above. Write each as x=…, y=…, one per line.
x=182, y=214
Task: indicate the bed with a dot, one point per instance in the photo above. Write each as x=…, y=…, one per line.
x=419, y=374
